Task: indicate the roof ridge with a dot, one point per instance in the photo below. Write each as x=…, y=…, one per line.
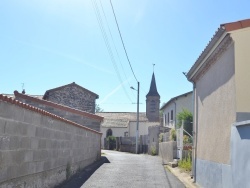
x=163, y=106
x=60, y=106
x=42, y=112
x=73, y=83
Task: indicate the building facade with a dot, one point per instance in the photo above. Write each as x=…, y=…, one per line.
x=221, y=106
x=74, y=96
x=174, y=106
x=87, y=119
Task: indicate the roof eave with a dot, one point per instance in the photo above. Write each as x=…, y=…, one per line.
x=210, y=48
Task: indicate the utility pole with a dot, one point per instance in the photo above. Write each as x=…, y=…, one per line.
x=137, y=117
x=137, y=121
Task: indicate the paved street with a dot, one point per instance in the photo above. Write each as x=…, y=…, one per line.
x=127, y=170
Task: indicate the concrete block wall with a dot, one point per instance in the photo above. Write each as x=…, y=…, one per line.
x=83, y=120
x=153, y=137
x=168, y=151
x=37, y=150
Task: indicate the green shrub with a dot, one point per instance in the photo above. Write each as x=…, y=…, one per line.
x=111, y=142
x=68, y=170
x=187, y=117
x=173, y=135
x=153, y=150
x=186, y=164
x=161, y=137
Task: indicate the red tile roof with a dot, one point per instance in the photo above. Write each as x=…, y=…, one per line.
x=236, y=25
x=43, y=112
x=59, y=106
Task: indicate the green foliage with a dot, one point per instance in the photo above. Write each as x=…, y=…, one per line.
x=153, y=150
x=187, y=139
x=161, y=113
x=161, y=137
x=173, y=135
x=186, y=164
x=68, y=171
x=112, y=142
x=98, y=108
x=187, y=117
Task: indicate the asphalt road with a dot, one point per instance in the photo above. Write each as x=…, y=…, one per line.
x=125, y=170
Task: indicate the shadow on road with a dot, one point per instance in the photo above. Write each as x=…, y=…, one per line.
x=82, y=176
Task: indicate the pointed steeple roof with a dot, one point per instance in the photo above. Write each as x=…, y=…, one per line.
x=153, y=90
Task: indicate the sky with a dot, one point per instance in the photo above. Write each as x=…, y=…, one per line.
x=45, y=44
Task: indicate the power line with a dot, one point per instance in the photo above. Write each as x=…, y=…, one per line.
x=122, y=41
x=105, y=37
x=114, y=42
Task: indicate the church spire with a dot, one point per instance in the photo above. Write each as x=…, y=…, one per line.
x=153, y=102
x=153, y=90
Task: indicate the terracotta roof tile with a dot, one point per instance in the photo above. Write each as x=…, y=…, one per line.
x=236, y=25
x=121, y=119
x=43, y=112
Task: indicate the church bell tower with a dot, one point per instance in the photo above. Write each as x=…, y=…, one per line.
x=153, y=102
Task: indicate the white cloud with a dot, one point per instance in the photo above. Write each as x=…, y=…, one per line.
x=68, y=56
x=141, y=12
x=114, y=90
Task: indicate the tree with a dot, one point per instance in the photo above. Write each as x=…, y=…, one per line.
x=98, y=108
x=187, y=117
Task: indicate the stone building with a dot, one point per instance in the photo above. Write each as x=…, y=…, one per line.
x=87, y=119
x=123, y=124
x=153, y=102
x=74, y=96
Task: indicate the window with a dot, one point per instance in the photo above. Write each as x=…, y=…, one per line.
x=172, y=114
x=125, y=134
x=168, y=117
x=108, y=133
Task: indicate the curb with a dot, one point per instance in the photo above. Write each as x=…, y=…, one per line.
x=184, y=177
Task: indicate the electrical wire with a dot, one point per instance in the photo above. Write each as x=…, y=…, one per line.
x=114, y=42
x=106, y=40
x=122, y=41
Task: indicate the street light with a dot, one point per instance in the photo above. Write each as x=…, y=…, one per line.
x=137, y=120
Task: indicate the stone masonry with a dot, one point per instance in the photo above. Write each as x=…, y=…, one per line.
x=87, y=119
x=74, y=96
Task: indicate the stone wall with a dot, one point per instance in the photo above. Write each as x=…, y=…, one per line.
x=39, y=149
x=74, y=97
x=93, y=123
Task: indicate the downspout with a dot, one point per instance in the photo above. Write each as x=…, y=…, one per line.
x=194, y=148
x=175, y=114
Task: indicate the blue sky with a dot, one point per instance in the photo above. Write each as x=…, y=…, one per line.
x=49, y=43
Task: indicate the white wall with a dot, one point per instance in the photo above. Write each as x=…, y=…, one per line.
x=143, y=127
x=176, y=105
x=116, y=131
